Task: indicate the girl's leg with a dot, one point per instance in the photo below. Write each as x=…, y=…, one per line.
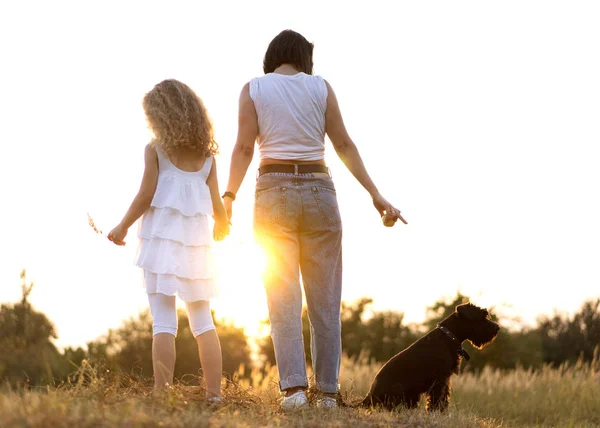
x=209, y=348
x=164, y=330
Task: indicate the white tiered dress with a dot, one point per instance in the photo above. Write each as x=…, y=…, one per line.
x=175, y=237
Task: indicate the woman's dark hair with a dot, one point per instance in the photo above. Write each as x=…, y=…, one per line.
x=289, y=47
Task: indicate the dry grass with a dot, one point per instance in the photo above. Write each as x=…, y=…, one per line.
x=565, y=397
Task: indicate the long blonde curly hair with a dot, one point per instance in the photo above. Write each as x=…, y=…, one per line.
x=178, y=118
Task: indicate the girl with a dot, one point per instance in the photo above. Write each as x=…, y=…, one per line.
x=179, y=191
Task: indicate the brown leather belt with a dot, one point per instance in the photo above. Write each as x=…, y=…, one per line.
x=292, y=169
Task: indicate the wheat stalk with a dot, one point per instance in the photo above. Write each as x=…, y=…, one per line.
x=93, y=225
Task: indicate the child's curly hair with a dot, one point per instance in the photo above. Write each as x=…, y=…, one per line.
x=178, y=118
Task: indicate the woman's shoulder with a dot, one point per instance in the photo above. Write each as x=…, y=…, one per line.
x=250, y=89
x=274, y=77
x=321, y=84
x=253, y=86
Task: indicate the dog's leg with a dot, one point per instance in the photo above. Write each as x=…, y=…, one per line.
x=410, y=401
x=438, y=396
x=406, y=401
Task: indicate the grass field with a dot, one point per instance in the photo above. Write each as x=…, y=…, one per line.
x=564, y=397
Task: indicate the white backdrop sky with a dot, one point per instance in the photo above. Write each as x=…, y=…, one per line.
x=479, y=120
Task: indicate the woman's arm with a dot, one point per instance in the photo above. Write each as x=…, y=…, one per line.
x=221, y=229
x=244, y=146
x=142, y=200
x=348, y=153
x=343, y=144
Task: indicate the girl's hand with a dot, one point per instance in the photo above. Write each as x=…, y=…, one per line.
x=385, y=208
x=117, y=235
x=221, y=229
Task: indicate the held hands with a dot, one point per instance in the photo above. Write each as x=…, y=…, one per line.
x=222, y=226
x=221, y=229
x=117, y=235
x=387, y=211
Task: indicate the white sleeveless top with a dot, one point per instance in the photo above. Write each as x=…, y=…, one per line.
x=175, y=237
x=291, y=115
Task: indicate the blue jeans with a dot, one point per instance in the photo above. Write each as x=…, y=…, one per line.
x=297, y=223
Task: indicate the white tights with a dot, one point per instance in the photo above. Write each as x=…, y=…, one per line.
x=164, y=315
x=164, y=326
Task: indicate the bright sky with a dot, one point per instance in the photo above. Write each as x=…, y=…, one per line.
x=479, y=120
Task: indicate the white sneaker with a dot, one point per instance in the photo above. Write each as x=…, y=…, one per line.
x=295, y=401
x=327, y=402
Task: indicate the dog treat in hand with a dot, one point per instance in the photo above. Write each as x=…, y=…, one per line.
x=387, y=222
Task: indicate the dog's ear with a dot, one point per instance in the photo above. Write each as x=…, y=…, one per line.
x=469, y=311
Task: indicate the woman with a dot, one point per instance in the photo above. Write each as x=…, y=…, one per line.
x=296, y=216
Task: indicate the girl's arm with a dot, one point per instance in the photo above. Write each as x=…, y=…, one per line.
x=348, y=153
x=142, y=200
x=221, y=221
x=244, y=147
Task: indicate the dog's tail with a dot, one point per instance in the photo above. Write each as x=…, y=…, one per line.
x=366, y=402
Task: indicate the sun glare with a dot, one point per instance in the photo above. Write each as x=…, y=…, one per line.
x=240, y=265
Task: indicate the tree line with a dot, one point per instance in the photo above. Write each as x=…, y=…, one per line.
x=28, y=355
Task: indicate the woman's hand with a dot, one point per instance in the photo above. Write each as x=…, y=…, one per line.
x=385, y=208
x=221, y=229
x=117, y=235
x=228, y=205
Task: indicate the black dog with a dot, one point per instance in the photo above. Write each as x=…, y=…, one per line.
x=426, y=366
